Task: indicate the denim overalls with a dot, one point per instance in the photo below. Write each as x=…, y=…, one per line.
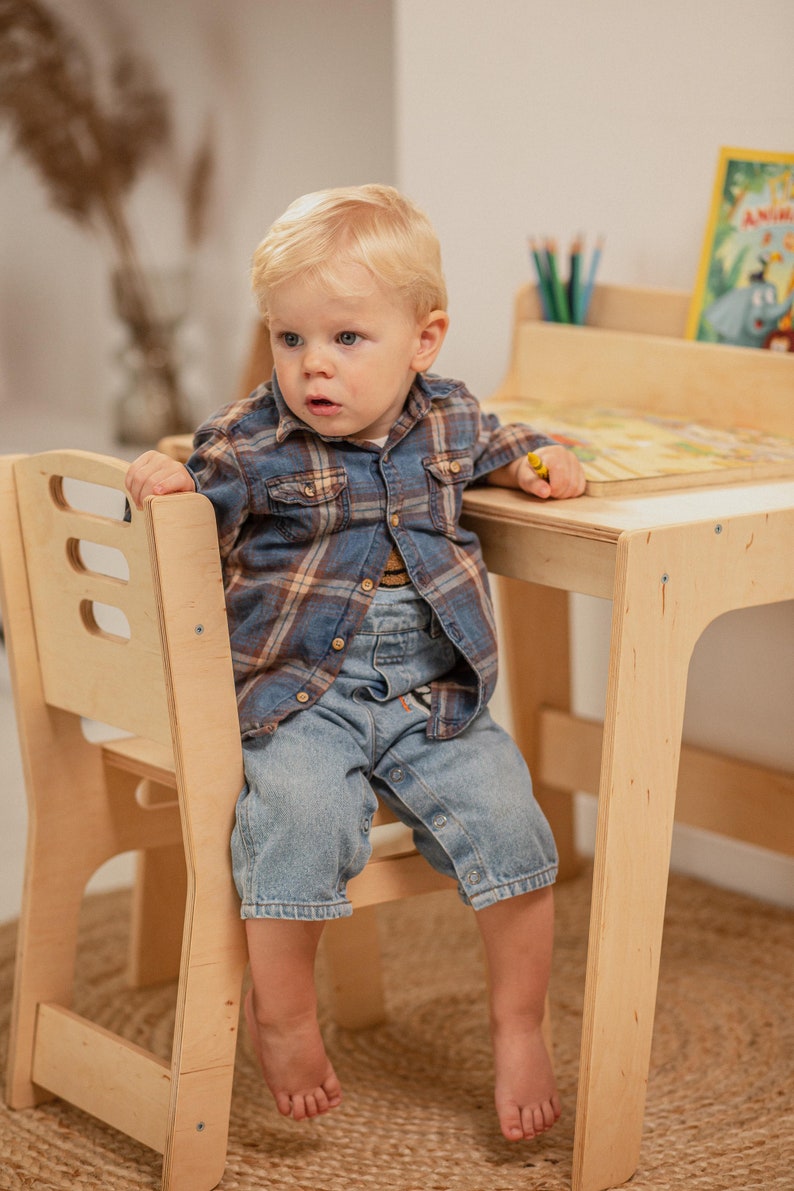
x=304, y=816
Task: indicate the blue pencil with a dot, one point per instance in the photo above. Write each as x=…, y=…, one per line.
x=587, y=293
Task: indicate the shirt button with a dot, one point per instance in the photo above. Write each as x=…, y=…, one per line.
x=396, y=775
x=439, y=821
x=308, y=489
x=302, y=697
x=367, y=584
x=395, y=520
x=338, y=643
x=454, y=467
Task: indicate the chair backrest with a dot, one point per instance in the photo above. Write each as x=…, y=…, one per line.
x=121, y=610
x=92, y=595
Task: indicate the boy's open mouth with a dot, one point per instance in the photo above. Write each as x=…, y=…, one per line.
x=322, y=405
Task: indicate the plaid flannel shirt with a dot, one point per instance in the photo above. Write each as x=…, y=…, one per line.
x=306, y=523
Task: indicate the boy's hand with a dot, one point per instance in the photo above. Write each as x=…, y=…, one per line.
x=566, y=475
x=155, y=474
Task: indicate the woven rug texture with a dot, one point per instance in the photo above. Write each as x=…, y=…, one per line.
x=417, y=1114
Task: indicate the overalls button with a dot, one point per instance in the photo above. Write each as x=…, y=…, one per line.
x=473, y=877
x=396, y=775
x=439, y=821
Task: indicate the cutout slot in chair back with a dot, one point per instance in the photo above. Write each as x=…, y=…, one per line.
x=93, y=602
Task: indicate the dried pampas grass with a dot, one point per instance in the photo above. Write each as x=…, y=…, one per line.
x=88, y=143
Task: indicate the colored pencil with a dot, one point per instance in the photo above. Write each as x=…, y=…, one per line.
x=537, y=465
x=575, y=281
x=560, y=297
x=588, y=289
x=544, y=291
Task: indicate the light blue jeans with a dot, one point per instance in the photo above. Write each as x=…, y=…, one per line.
x=304, y=816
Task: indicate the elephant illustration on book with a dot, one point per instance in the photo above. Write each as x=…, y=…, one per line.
x=745, y=316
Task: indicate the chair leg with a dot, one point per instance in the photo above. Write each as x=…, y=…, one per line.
x=45, y=959
x=205, y=1040
x=352, y=948
x=158, y=916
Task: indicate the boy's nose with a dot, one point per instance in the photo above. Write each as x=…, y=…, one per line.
x=316, y=360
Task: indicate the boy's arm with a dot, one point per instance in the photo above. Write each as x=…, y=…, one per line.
x=155, y=474
x=566, y=477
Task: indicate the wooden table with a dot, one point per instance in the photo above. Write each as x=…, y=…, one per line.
x=671, y=563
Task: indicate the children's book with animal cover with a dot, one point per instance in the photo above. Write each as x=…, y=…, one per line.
x=745, y=284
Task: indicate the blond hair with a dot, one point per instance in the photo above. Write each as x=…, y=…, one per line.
x=374, y=226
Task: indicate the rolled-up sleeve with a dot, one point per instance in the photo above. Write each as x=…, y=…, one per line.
x=498, y=445
x=218, y=475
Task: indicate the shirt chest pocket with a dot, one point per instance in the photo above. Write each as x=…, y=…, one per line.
x=310, y=504
x=447, y=476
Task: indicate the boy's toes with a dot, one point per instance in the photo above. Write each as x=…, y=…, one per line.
x=540, y=1117
x=510, y=1120
x=523, y=1123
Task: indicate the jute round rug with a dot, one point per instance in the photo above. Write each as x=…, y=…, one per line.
x=417, y=1114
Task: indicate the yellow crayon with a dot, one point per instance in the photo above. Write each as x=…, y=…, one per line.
x=537, y=465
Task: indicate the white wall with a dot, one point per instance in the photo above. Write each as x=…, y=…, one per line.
x=503, y=117
x=522, y=116
x=300, y=96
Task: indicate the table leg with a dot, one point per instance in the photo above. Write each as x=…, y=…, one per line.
x=535, y=662
x=669, y=585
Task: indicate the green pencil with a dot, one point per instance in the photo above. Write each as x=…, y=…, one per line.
x=546, y=300
x=560, y=298
x=575, y=282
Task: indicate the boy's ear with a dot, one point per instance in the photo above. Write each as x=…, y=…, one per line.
x=432, y=331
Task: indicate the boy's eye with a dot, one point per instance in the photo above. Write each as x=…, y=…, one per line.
x=348, y=338
x=290, y=339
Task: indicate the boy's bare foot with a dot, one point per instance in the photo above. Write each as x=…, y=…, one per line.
x=527, y=1101
x=294, y=1063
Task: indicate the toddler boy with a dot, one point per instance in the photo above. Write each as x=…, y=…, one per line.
x=362, y=631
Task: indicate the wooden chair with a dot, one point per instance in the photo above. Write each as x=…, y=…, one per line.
x=122, y=622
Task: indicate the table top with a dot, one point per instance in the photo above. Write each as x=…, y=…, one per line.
x=606, y=518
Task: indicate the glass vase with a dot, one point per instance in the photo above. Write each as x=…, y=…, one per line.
x=151, y=400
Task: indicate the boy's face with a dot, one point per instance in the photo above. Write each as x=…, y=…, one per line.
x=345, y=364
